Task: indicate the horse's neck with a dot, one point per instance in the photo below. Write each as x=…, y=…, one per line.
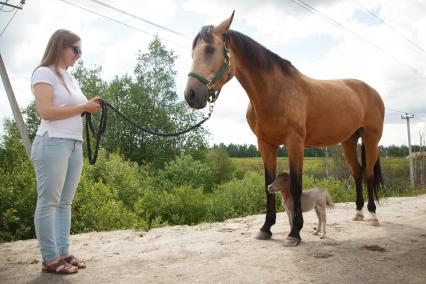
x=261, y=86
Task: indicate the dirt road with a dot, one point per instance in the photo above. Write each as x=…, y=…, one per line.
x=353, y=252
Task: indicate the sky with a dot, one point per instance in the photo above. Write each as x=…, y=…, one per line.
x=388, y=53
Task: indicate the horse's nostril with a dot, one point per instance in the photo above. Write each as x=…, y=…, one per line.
x=191, y=94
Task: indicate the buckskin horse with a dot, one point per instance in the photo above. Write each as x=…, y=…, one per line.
x=287, y=107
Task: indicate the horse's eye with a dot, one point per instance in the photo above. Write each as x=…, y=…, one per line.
x=209, y=50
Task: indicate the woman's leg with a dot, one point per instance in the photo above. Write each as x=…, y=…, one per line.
x=63, y=213
x=50, y=159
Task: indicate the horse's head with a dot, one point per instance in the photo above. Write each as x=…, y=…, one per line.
x=210, y=65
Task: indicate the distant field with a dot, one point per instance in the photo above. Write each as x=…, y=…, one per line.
x=316, y=164
x=395, y=170
x=256, y=164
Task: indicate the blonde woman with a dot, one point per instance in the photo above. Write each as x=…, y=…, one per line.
x=57, y=149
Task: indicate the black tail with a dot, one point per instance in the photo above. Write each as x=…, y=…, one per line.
x=378, y=185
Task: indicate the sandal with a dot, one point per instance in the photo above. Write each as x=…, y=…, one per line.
x=80, y=264
x=60, y=267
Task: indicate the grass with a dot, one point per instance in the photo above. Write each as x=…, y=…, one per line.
x=395, y=171
x=256, y=164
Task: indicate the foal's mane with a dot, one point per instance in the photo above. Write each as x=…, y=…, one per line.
x=253, y=53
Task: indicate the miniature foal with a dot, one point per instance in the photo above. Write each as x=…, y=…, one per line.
x=316, y=197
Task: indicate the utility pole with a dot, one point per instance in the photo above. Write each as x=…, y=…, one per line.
x=14, y=105
x=13, y=6
x=422, y=159
x=407, y=117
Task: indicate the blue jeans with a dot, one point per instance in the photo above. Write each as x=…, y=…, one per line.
x=58, y=163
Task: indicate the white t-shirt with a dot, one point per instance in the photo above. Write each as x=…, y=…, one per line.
x=71, y=127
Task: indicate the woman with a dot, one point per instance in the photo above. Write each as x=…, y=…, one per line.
x=57, y=149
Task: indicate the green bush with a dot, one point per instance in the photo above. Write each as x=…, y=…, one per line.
x=237, y=198
x=126, y=177
x=185, y=171
x=220, y=165
x=96, y=207
x=183, y=205
x=147, y=207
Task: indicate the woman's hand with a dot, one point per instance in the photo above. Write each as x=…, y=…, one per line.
x=43, y=93
x=92, y=105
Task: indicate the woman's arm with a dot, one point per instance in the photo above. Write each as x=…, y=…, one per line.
x=44, y=101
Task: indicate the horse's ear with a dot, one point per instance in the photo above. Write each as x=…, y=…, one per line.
x=224, y=26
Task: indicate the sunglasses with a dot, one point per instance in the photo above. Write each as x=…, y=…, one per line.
x=76, y=50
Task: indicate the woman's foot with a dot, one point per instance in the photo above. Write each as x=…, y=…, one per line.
x=59, y=267
x=80, y=264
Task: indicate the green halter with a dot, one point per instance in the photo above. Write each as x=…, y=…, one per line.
x=214, y=94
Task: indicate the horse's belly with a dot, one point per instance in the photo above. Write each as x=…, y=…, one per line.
x=329, y=136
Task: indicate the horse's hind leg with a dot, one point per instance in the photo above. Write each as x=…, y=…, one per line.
x=350, y=151
x=371, y=157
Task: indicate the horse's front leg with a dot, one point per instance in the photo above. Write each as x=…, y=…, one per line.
x=269, y=157
x=295, y=149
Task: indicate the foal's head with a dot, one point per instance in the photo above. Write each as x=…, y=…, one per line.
x=280, y=184
x=208, y=73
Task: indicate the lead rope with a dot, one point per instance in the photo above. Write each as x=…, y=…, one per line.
x=103, y=123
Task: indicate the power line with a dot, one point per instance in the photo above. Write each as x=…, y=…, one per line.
x=342, y=27
x=400, y=111
x=390, y=27
x=11, y=19
x=6, y=11
x=121, y=23
x=139, y=18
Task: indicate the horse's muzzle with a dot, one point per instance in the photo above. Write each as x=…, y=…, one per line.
x=196, y=97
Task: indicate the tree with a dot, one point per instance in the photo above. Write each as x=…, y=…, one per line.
x=221, y=165
x=17, y=187
x=32, y=119
x=149, y=99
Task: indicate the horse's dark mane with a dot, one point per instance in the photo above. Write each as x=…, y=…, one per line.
x=252, y=52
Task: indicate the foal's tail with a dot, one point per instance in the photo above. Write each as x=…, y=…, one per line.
x=378, y=185
x=328, y=202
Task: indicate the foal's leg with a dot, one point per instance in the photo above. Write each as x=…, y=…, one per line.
x=350, y=151
x=269, y=157
x=324, y=221
x=290, y=219
x=318, y=229
x=371, y=156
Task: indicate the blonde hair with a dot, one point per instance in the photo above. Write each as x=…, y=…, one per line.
x=52, y=55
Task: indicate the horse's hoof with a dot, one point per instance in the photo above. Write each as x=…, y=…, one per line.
x=292, y=242
x=322, y=237
x=374, y=222
x=358, y=217
x=264, y=235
